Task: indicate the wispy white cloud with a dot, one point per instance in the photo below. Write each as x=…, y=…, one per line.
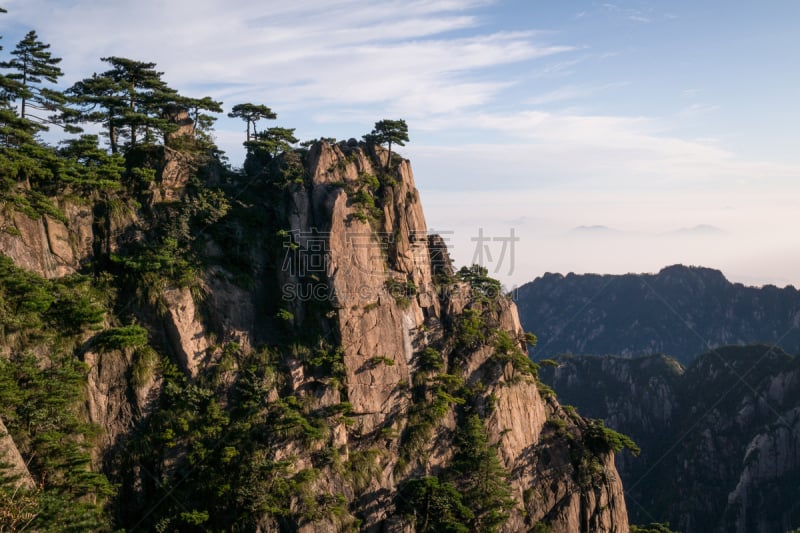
x=697, y=109
x=414, y=78
x=632, y=14
x=560, y=69
x=408, y=56
x=612, y=151
x=565, y=170
x=571, y=92
x=336, y=61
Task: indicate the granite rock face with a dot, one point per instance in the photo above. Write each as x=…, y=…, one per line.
x=411, y=341
x=47, y=246
x=14, y=463
x=384, y=327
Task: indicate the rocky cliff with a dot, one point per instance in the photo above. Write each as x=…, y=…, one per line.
x=681, y=311
x=49, y=246
x=719, y=439
x=288, y=349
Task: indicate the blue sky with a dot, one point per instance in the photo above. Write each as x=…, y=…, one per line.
x=650, y=119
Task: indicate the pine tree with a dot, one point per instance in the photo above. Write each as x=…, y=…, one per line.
x=98, y=101
x=251, y=113
x=434, y=505
x=275, y=140
x=130, y=101
x=196, y=105
x=141, y=91
x=481, y=477
x=32, y=65
x=389, y=131
x=202, y=123
x=7, y=86
x=126, y=99
x=86, y=168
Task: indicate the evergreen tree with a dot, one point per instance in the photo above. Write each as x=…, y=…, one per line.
x=434, y=506
x=6, y=85
x=275, y=140
x=23, y=160
x=389, y=131
x=251, y=113
x=126, y=99
x=32, y=64
x=130, y=101
x=481, y=477
x=42, y=401
x=86, y=168
x=141, y=92
x=202, y=122
x=98, y=101
x=196, y=105
x=15, y=131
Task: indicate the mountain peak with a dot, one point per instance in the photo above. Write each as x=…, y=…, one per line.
x=687, y=272
x=679, y=311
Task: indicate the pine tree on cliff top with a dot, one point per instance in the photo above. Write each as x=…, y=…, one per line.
x=251, y=113
x=129, y=101
x=388, y=131
x=32, y=65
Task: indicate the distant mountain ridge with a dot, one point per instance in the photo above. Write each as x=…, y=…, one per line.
x=719, y=438
x=700, y=229
x=681, y=311
x=595, y=229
